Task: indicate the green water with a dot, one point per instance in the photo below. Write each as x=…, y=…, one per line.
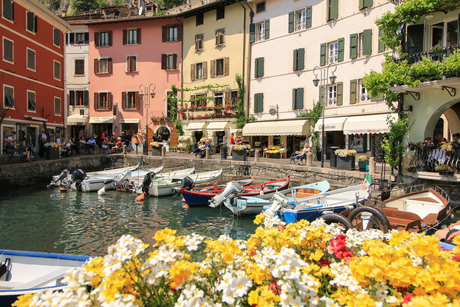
x=37, y=219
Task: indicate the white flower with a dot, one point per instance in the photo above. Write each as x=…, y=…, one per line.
x=193, y=241
x=193, y=291
x=240, y=285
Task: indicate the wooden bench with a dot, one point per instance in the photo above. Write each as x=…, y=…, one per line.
x=402, y=220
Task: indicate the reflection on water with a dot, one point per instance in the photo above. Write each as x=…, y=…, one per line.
x=86, y=224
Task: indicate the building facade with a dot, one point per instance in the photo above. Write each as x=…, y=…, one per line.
x=319, y=39
x=216, y=50
x=31, y=70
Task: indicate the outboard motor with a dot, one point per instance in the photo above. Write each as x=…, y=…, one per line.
x=232, y=190
x=279, y=201
x=77, y=176
x=147, y=181
x=187, y=183
x=60, y=179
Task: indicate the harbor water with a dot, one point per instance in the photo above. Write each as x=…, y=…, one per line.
x=47, y=220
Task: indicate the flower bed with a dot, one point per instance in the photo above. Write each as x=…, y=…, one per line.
x=303, y=265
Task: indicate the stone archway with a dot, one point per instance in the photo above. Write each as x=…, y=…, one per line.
x=451, y=116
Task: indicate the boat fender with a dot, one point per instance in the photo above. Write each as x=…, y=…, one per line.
x=5, y=269
x=261, y=193
x=62, y=189
x=141, y=197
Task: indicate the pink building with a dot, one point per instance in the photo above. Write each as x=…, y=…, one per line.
x=124, y=55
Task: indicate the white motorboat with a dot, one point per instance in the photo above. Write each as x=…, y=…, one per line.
x=164, y=186
x=23, y=272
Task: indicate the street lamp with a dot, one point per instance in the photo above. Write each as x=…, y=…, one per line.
x=142, y=89
x=324, y=78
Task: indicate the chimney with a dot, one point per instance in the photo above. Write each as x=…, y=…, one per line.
x=64, y=13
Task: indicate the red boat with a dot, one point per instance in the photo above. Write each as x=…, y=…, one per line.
x=200, y=198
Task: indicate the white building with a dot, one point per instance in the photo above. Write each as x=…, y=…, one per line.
x=290, y=39
x=77, y=79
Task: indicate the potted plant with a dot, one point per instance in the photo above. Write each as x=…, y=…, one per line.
x=189, y=148
x=156, y=148
x=445, y=170
x=411, y=168
x=52, y=150
x=345, y=159
x=239, y=152
x=363, y=162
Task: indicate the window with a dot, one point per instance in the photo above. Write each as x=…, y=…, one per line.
x=333, y=52
x=30, y=59
x=364, y=96
x=199, y=42
x=132, y=36
x=233, y=98
x=131, y=63
x=57, y=106
x=8, y=9
x=332, y=9
x=299, y=59
x=103, y=66
x=103, y=38
x=130, y=100
x=8, y=50
x=199, y=19
x=31, y=102
x=300, y=20
x=169, y=61
x=331, y=95
x=361, y=44
x=57, y=37
x=172, y=33
x=8, y=99
x=220, y=67
x=259, y=68
x=78, y=38
x=220, y=37
x=199, y=71
x=220, y=13
x=198, y=100
x=78, y=98
x=218, y=99
x=297, y=98
x=260, y=31
x=365, y=4
x=103, y=100
x=260, y=7
x=258, y=103
x=57, y=70
x=79, y=67
x=31, y=22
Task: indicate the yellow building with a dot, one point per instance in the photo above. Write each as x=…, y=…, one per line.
x=215, y=50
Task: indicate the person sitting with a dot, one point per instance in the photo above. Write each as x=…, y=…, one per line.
x=24, y=150
x=107, y=145
x=303, y=154
x=198, y=149
x=91, y=144
x=447, y=234
x=9, y=142
x=203, y=151
x=84, y=144
x=75, y=146
x=238, y=140
x=65, y=148
x=117, y=146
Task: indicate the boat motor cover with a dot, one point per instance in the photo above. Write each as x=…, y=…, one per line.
x=187, y=183
x=78, y=175
x=232, y=189
x=63, y=175
x=147, y=181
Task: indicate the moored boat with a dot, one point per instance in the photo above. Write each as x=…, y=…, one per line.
x=200, y=198
x=28, y=272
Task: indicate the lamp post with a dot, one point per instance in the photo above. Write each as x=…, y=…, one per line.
x=324, y=75
x=151, y=91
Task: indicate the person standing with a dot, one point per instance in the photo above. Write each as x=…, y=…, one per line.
x=231, y=139
x=42, y=141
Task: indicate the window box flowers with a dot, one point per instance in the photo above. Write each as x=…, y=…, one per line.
x=156, y=148
x=411, y=168
x=445, y=170
x=239, y=152
x=345, y=159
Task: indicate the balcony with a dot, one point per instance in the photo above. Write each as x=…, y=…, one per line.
x=438, y=55
x=205, y=112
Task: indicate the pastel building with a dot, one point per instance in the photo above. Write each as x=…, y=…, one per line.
x=292, y=43
x=31, y=70
x=216, y=50
x=128, y=58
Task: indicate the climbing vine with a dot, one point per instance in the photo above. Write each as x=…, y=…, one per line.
x=314, y=114
x=241, y=118
x=392, y=144
x=172, y=102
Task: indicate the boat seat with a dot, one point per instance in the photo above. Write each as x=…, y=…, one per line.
x=43, y=280
x=403, y=220
x=431, y=218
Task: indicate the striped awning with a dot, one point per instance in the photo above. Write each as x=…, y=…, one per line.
x=280, y=127
x=198, y=126
x=368, y=124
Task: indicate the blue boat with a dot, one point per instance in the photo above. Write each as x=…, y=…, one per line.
x=313, y=207
x=254, y=205
x=23, y=272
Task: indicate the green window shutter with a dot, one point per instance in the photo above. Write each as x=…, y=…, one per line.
x=294, y=97
x=259, y=67
x=352, y=91
x=367, y=42
x=353, y=46
x=309, y=16
x=322, y=60
x=267, y=28
x=71, y=98
x=299, y=103
x=377, y=98
x=252, y=32
x=294, y=57
x=381, y=44
x=340, y=93
x=261, y=102
x=341, y=46
x=414, y=39
x=322, y=94
x=368, y=3
x=361, y=4
x=300, y=58
x=258, y=103
x=333, y=9
x=291, y=22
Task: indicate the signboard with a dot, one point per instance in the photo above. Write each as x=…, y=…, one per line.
x=129, y=121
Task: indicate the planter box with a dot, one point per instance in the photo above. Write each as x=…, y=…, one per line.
x=239, y=155
x=51, y=153
x=362, y=166
x=347, y=163
x=156, y=151
x=447, y=173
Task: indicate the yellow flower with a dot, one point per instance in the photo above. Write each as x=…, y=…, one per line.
x=165, y=236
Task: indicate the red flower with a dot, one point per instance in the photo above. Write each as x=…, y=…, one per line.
x=407, y=298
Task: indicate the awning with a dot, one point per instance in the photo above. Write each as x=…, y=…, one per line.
x=101, y=120
x=35, y=118
x=196, y=126
x=217, y=126
x=129, y=121
x=330, y=124
x=368, y=124
x=76, y=120
x=281, y=127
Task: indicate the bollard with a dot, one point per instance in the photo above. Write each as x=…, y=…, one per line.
x=163, y=151
x=309, y=159
x=208, y=153
x=256, y=156
x=125, y=149
x=372, y=165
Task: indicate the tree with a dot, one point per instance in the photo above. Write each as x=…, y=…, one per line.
x=170, y=3
x=314, y=114
x=241, y=118
x=84, y=5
